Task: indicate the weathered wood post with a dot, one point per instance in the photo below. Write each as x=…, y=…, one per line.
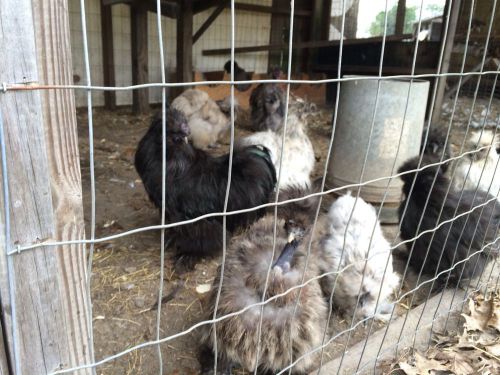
x=45, y=200
x=139, y=49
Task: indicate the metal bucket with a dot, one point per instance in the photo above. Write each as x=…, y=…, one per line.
x=350, y=145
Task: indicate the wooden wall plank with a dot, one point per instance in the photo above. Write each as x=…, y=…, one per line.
x=139, y=35
x=45, y=189
x=400, y=17
x=184, y=44
x=448, y=49
x=108, y=56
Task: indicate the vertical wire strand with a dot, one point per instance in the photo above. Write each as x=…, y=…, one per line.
x=325, y=171
x=474, y=101
x=226, y=199
x=9, y=261
x=163, y=180
x=490, y=254
x=280, y=168
x=359, y=192
x=445, y=198
x=92, y=178
x=462, y=69
x=393, y=168
x=477, y=224
x=440, y=61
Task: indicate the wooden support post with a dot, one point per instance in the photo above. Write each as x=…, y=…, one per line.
x=400, y=17
x=448, y=48
x=184, y=44
x=139, y=35
x=320, y=22
x=108, y=56
x=45, y=192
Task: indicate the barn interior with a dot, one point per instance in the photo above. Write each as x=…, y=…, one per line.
x=124, y=50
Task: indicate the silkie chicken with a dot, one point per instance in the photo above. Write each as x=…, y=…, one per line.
x=452, y=242
x=206, y=120
x=196, y=185
x=478, y=170
x=267, y=107
x=298, y=153
x=283, y=334
x=360, y=253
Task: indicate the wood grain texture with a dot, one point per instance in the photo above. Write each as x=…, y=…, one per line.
x=184, y=45
x=448, y=49
x=108, y=56
x=139, y=36
x=45, y=188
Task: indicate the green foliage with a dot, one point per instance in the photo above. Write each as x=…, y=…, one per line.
x=377, y=26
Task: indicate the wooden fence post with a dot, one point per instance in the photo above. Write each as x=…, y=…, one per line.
x=45, y=192
x=139, y=50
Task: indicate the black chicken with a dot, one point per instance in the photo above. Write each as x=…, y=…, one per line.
x=240, y=74
x=196, y=185
x=467, y=234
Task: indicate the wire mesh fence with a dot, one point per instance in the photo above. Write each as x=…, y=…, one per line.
x=345, y=263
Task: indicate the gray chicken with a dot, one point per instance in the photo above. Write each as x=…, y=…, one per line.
x=247, y=262
x=267, y=106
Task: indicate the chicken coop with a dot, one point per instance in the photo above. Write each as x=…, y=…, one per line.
x=255, y=186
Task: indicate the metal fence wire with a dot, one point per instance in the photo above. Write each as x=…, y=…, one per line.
x=396, y=322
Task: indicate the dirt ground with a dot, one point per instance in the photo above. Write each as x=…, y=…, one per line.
x=126, y=271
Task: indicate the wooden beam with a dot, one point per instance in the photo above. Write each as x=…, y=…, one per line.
x=114, y=2
x=448, y=48
x=400, y=17
x=269, y=10
x=371, y=69
x=185, y=44
x=108, y=56
x=139, y=36
x=313, y=44
x=200, y=5
x=318, y=30
x=217, y=11
x=45, y=192
x=168, y=9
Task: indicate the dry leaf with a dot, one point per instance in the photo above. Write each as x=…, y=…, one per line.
x=475, y=351
x=408, y=369
x=426, y=366
x=493, y=349
x=494, y=321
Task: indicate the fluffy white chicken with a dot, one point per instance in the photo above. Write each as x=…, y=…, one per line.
x=487, y=159
x=205, y=119
x=357, y=249
x=298, y=154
